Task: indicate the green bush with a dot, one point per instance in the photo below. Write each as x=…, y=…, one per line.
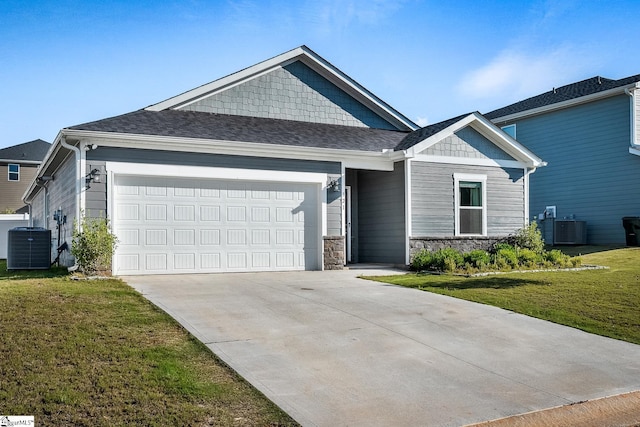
x=529, y=237
x=557, y=258
x=477, y=259
x=447, y=259
x=529, y=258
x=506, y=257
x=93, y=245
x=422, y=260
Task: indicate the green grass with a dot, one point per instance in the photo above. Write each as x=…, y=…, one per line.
x=604, y=302
x=95, y=353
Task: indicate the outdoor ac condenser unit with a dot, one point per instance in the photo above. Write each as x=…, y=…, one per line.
x=570, y=232
x=29, y=248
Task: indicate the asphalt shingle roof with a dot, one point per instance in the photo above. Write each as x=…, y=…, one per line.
x=33, y=151
x=191, y=124
x=563, y=93
x=423, y=133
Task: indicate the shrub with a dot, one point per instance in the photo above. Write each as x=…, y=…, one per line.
x=529, y=258
x=422, y=260
x=477, y=259
x=447, y=259
x=94, y=245
x=529, y=237
x=557, y=258
x=506, y=256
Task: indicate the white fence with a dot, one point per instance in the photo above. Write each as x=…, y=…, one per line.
x=7, y=222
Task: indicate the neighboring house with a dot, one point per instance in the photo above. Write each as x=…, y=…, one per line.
x=18, y=166
x=589, y=133
x=285, y=165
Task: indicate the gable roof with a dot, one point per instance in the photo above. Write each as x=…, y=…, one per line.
x=421, y=139
x=29, y=152
x=223, y=127
x=423, y=133
x=310, y=59
x=595, y=86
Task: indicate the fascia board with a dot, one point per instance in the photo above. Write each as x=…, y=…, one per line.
x=437, y=137
x=355, y=89
x=21, y=162
x=505, y=142
x=44, y=166
x=231, y=79
x=309, y=58
x=470, y=161
x=366, y=159
x=564, y=104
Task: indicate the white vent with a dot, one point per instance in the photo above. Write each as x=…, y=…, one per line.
x=570, y=232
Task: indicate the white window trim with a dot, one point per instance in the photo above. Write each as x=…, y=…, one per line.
x=9, y=172
x=457, y=177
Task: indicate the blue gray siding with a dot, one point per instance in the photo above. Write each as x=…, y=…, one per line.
x=293, y=92
x=433, y=205
x=590, y=173
x=381, y=216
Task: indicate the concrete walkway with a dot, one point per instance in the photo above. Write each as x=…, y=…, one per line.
x=335, y=350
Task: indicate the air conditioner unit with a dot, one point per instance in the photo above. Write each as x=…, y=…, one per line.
x=570, y=232
x=29, y=248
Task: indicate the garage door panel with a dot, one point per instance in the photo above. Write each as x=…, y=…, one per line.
x=187, y=225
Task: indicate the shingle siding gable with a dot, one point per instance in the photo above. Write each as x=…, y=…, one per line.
x=467, y=143
x=292, y=92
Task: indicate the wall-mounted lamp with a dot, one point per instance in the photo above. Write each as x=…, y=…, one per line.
x=93, y=176
x=334, y=185
x=45, y=178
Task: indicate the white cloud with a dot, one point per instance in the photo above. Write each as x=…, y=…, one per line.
x=422, y=121
x=340, y=14
x=514, y=74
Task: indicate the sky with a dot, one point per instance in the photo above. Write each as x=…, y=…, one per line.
x=67, y=62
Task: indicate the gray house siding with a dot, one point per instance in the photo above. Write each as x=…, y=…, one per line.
x=97, y=198
x=62, y=196
x=590, y=173
x=293, y=92
x=433, y=205
x=381, y=216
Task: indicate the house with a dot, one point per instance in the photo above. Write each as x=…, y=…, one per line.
x=589, y=134
x=286, y=165
x=18, y=166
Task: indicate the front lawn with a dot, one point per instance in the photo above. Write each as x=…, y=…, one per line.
x=95, y=353
x=604, y=302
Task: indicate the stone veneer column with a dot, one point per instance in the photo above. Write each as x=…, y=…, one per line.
x=333, y=252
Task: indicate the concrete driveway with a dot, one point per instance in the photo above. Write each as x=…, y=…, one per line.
x=332, y=349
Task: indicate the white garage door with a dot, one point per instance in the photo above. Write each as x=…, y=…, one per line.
x=174, y=225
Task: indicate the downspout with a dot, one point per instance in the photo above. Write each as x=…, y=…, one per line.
x=632, y=120
x=77, y=152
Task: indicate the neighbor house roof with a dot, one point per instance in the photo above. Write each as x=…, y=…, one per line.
x=593, y=86
x=28, y=152
x=223, y=127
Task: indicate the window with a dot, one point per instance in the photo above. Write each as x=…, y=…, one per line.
x=14, y=172
x=510, y=130
x=470, y=204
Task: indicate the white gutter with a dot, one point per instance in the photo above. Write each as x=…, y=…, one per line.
x=633, y=149
x=76, y=150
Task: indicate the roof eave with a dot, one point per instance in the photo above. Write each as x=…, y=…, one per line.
x=563, y=104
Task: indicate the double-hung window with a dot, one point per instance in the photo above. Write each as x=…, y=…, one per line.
x=470, y=204
x=14, y=172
